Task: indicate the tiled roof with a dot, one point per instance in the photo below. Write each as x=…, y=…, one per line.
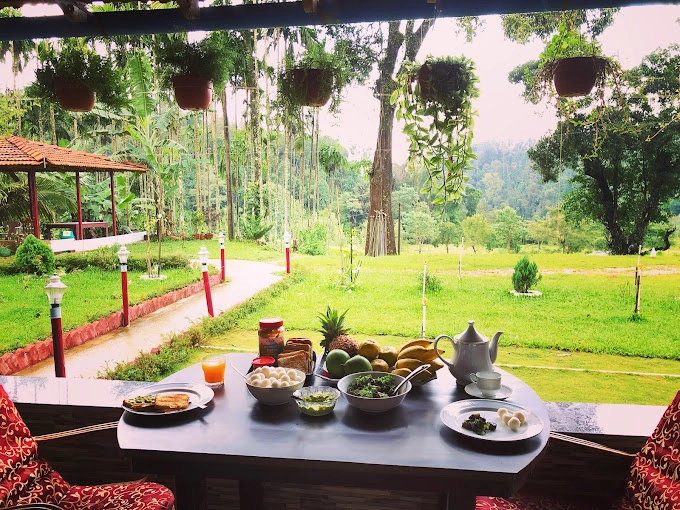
x=21, y=155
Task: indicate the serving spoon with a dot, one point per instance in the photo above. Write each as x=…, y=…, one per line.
x=410, y=376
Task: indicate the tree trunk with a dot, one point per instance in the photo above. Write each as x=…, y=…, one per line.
x=381, y=179
x=227, y=167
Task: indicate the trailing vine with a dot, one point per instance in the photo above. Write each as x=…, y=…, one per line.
x=438, y=119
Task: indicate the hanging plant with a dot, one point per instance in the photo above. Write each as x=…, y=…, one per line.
x=192, y=70
x=437, y=114
x=76, y=76
x=315, y=78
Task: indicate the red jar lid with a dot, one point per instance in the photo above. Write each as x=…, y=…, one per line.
x=263, y=361
x=271, y=323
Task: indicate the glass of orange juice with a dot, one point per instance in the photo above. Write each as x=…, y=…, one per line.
x=213, y=369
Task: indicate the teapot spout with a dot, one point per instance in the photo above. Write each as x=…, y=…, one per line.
x=493, y=346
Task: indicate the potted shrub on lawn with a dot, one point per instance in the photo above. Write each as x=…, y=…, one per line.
x=76, y=76
x=313, y=80
x=192, y=70
x=437, y=114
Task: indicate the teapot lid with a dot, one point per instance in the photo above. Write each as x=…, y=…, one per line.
x=471, y=336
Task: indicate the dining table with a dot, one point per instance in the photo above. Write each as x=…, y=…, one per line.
x=408, y=448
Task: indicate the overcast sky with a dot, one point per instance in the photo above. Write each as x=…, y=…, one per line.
x=503, y=114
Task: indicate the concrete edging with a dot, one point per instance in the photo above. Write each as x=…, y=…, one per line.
x=31, y=354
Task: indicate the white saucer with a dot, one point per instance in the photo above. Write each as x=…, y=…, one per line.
x=503, y=393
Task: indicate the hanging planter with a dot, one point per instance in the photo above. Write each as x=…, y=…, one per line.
x=74, y=96
x=192, y=92
x=192, y=69
x=76, y=76
x=437, y=118
x=576, y=76
x=311, y=87
x=316, y=78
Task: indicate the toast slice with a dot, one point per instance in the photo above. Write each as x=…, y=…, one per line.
x=296, y=359
x=161, y=403
x=171, y=402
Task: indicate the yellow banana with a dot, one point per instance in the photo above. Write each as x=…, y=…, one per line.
x=425, y=375
x=401, y=371
x=435, y=364
x=422, y=342
x=409, y=363
x=424, y=354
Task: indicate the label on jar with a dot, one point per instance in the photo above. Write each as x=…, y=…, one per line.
x=271, y=341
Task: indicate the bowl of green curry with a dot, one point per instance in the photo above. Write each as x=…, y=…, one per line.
x=317, y=400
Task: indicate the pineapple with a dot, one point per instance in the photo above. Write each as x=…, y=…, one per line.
x=335, y=333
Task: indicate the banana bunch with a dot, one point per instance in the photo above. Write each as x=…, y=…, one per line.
x=415, y=353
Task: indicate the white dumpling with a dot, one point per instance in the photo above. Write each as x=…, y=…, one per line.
x=260, y=383
x=520, y=416
x=284, y=384
x=275, y=383
x=265, y=371
x=280, y=371
x=293, y=374
x=506, y=417
x=285, y=378
x=502, y=411
x=514, y=424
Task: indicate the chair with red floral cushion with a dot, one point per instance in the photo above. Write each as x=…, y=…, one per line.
x=653, y=481
x=27, y=481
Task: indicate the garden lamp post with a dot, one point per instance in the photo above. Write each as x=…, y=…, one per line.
x=203, y=255
x=123, y=255
x=221, y=237
x=286, y=239
x=55, y=290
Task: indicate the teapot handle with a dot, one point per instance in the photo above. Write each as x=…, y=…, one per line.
x=436, y=340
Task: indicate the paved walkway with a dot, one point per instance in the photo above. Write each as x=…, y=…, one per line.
x=246, y=279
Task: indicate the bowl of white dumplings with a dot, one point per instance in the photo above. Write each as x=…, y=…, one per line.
x=274, y=386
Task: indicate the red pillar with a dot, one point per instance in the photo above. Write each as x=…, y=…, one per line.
x=113, y=204
x=33, y=199
x=57, y=341
x=79, y=229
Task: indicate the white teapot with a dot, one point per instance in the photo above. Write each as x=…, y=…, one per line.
x=472, y=352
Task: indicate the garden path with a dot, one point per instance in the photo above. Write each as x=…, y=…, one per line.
x=246, y=278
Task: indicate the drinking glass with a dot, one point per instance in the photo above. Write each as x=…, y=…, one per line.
x=213, y=369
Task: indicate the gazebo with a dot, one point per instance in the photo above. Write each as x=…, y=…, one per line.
x=22, y=155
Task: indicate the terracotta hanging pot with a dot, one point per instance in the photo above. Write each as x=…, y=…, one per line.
x=192, y=92
x=574, y=77
x=74, y=96
x=312, y=87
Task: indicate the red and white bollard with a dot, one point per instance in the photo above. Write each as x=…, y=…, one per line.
x=123, y=255
x=203, y=255
x=286, y=239
x=221, y=237
x=55, y=290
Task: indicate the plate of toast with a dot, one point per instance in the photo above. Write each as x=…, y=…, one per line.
x=298, y=353
x=167, y=398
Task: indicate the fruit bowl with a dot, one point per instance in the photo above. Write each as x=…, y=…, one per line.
x=373, y=405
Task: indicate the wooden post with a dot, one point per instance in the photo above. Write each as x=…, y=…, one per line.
x=638, y=274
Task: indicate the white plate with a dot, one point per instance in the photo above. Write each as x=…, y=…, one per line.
x=503, y=393
x=199, y=395
x=454, y=414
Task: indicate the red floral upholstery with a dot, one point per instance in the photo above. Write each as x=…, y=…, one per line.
x=26, y=478
x=654, y=479
x=652, y=484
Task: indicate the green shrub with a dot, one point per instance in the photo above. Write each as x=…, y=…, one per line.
x=8, y=267
x=5, y=251
x=69, y=262
x=313, y=240
x=433, y=284
x=104, y=258
x=34, y=256
x=525, y=275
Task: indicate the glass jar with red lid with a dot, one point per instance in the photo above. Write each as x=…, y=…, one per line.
x=271, y=336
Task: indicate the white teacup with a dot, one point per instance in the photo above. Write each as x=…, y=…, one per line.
x=488, y=382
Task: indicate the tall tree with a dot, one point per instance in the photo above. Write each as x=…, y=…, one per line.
x=636, y=171
x=380, y=177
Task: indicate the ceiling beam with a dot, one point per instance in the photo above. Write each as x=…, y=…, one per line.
x=269, y=15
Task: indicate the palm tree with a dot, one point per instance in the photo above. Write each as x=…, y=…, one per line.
x=54, y=197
